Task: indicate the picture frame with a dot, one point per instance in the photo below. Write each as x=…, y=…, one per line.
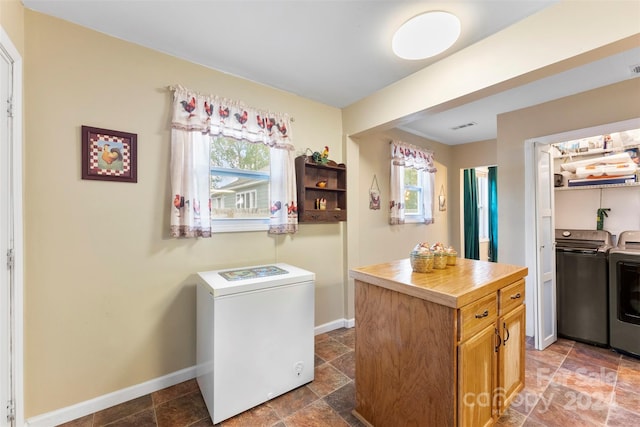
x=109, y=155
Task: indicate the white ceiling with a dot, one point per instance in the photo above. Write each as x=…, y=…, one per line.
x=438, y=126
x=331, y=51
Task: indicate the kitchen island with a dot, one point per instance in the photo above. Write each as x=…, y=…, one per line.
x=444, y=348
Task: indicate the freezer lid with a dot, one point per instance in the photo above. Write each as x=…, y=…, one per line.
x=230, y=281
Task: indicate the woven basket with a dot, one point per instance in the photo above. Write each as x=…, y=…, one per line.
x=421, y=262
x=440, y=260
x=451, y=257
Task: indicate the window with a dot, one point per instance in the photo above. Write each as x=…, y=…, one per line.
x=240, y=173
x=246, y=200
x=412, y=180
x=482, y=182
x=414, y=211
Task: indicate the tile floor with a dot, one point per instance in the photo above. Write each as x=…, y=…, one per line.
x=569, y=385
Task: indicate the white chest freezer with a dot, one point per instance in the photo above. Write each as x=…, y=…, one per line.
x=255, y=335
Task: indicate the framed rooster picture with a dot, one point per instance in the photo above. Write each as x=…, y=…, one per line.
x=109, y=155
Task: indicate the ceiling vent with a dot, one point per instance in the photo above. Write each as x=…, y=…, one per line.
x=635, y=69
x=466, y=125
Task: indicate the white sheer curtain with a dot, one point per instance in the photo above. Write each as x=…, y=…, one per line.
x=404, y=156
x=190, y=184
x=196, y=119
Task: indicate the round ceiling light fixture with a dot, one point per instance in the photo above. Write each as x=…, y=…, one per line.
x=426, y=35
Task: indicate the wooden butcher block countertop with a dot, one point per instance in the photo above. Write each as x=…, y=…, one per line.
x=455, y=286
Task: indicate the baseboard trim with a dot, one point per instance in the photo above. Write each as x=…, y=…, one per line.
x=336, y=324
x=87, y=407
x=70, y=413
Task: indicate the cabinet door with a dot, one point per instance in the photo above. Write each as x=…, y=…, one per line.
x=511, y=356
x=477, y=378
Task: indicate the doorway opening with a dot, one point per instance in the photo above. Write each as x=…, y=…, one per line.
x=540, y=239
x=479, y=213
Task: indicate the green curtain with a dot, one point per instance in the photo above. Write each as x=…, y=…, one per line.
x=493, y=213
x=471, y=240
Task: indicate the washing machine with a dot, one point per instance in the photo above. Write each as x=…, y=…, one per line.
x=624, y=294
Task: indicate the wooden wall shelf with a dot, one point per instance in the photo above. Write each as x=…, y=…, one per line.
x=322, y=191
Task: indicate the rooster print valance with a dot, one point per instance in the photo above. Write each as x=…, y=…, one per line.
x=213, y=115
x=411, y=156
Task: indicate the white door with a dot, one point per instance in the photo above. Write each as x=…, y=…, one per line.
x=5, y=241
x=546, y=330
x=10, y=234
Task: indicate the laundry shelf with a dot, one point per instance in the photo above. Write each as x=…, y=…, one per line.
x=591, y=187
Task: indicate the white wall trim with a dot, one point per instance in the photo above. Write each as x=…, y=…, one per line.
x=336, y=324
x=99, y=403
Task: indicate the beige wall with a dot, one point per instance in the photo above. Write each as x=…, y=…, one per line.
x=378, y=241
x=12, y=21
x=370, y=237
x=108, y=300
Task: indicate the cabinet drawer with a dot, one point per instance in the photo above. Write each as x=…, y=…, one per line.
x=474, y=317
x=336, y=215
x=511, y=296
x=317, y=215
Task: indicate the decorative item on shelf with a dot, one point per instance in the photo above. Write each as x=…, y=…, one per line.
x=374, y=194
x=321, y=204
x=316, y=157
x=320, y=157
x=309, y=155
x=321, y=184
x=324, y=157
